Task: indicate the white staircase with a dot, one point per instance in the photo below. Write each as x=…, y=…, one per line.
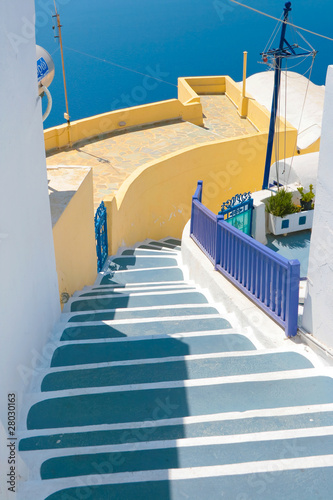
x=151, y=394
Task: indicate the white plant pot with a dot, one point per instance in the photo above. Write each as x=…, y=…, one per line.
x=290, y=223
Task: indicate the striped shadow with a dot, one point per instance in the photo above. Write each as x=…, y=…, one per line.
x=177, y=431
x=169, y=327
x=141, y=314
x=175, y=402
x=163, y=299
x=186, y=457
x=78, y=354
x=305, y=484
x=142, y=276
x=173, y=370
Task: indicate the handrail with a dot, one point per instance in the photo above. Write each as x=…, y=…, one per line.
x=266, y=277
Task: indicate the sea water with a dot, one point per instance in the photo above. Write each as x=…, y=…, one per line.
x=121, y=53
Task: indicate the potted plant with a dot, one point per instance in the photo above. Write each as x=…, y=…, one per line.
x=284, y=216
x=306, y=198
x=281, y=204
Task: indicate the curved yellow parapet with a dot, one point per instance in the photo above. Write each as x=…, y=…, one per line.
x=94, y=126
x=155, y=201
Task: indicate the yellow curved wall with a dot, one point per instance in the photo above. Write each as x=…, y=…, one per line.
x=155, y=201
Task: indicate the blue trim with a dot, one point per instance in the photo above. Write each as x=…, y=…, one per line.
x=101, y=236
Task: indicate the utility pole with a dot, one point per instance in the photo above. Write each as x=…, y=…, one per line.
x=278, y=54
x=66, y=115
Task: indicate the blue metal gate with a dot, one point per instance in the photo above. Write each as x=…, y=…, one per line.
x=238, y=212
x=101, y=236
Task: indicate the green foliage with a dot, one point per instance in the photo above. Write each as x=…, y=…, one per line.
x=306, y=196
x=281, y=204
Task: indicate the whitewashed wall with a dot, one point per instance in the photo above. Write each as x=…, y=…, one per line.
x=29, y=304
x=318, y=307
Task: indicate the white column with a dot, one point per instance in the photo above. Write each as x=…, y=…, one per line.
x=318, y=306
x=29, y=301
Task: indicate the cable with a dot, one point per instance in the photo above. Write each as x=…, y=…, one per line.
x=305, y=40
x=272, y=37
x=56, y=50
x=299, y=63
x=300, y=119
x=281, y=21
x=120, y=66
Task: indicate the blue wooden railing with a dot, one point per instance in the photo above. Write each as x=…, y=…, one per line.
x=267, y=278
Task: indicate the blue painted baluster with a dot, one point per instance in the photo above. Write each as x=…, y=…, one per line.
x=224, y=248
x=238, y=261
x=241, y=261
x=261, y=267
x=232, y=254
x=246, y=266
x=283, y=294
x=272, y=304
x=249, y=269
x=267, y=281
x=227, y=249
x=258, y=275
x=218, y=241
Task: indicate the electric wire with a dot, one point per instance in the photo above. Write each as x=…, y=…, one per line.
x=273, y=35
x=305, y=40
x=299, y=63
x=277, y=19
x=120, y=66
x=300, y=119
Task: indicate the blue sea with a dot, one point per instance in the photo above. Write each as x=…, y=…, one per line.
x=121, y=53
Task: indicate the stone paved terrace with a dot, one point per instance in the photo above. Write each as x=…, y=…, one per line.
x=117, y=155
x=221, y=117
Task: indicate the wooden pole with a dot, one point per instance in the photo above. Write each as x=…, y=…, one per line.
x=66, y=115
x=244, y=73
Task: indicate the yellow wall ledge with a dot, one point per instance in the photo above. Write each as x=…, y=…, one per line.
x=80, y=130
x=71, y=201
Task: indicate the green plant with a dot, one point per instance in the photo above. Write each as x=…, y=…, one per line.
x=281, y=204
x=306, y=196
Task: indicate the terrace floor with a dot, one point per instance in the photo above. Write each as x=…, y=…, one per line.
x=115, y=156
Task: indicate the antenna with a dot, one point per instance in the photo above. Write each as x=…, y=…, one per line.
x=284, y=51
x=66, y=115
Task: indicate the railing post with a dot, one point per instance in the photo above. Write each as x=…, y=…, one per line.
x=192, y=216
x=218, y=240
x=197, y=196
x=292, y=296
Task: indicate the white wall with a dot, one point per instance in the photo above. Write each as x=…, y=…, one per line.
x=318, y=310
x=300, y=169
x=29, y=304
